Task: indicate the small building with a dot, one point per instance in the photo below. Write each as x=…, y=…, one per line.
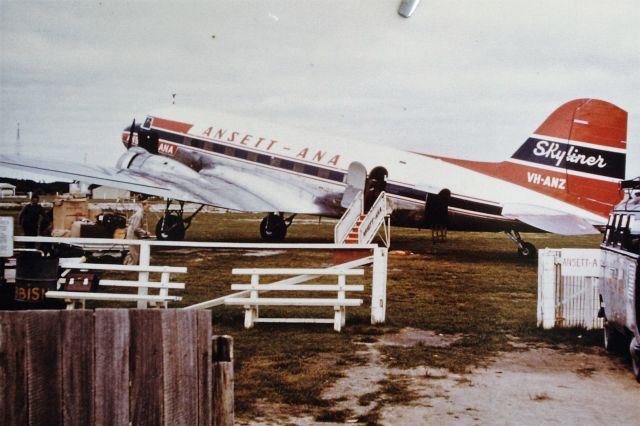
x=106, y=193
x=7, y=190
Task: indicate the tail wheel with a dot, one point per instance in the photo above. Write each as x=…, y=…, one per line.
x=527, y=250
x=273, y=228
x=170, y=228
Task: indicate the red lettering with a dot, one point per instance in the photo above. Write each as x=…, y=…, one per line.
x=260, y=140
x=232, y=138
x=35, y=293
x=273, y=142
x=334, y=160
x=319, y=155
x=220, y=134
x=246, y=139
x=303, y=153
x=208, y=131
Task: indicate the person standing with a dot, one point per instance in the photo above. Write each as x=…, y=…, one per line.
x=138, y=228
x=30, y=216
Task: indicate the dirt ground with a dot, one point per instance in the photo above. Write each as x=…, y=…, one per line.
x=532, y=385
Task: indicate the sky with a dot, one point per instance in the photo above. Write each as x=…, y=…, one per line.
x=467, y=79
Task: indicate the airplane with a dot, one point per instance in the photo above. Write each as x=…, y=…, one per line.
x=563, y=179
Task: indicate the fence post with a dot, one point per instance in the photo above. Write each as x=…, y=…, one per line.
x=547, y=288
x=222, y=365
x=379, y=285
x=145, y=258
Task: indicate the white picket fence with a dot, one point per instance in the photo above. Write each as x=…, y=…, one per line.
x=568, y=288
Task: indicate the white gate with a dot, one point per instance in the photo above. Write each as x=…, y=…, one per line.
x=568, y=288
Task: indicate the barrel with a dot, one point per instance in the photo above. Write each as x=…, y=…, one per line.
x=35, y=275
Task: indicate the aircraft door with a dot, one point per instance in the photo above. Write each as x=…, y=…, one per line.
x=356, y=179
x=436, y=210
x=376, y=183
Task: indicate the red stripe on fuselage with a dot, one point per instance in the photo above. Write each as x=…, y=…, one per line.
x=174, y=126
x=593, y=195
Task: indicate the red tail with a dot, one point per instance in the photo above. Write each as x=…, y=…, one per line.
x=577, y=155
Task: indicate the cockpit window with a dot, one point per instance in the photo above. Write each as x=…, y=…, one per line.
x=147, y=123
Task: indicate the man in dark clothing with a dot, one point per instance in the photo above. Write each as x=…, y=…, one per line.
x=30, y=216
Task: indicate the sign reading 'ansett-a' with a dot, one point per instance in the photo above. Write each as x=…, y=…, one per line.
x=581, y=262
x=6, y=236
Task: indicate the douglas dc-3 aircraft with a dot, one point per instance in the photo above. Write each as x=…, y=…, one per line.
x=562, y=179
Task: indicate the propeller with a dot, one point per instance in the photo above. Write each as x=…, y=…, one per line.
x=133, y=126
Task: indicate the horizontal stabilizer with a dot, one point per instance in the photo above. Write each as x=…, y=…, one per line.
x=549, y=220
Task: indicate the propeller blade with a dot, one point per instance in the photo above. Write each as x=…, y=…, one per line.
x=133, y=126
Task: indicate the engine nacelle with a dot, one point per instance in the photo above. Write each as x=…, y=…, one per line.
x=142, y=161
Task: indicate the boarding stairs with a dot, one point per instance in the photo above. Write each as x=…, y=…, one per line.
x=359, y=227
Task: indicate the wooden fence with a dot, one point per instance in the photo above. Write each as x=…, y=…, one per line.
x=114, y=367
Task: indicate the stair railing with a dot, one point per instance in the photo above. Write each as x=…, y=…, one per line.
x=375, y=218
x=348, y=219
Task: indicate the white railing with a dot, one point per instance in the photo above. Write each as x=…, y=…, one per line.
x=253, y=301
x=348, y=219
x=378, y=261
x=374, y=219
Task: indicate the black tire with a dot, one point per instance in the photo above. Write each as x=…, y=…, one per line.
x=170, y=228
x=273, y=228
x=634, y=350
x=528, y=251
x=613, y=339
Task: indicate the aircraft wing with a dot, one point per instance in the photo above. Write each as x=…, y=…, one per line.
x=549, y=220
x=107, y=176
x=221, y=186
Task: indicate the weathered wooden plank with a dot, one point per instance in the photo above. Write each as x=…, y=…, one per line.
x=43, y=356
x=13, y=378
x=77, y=367
x=146, y=357
x=222, y=357
x=112, y=333
x=204, y=367
x=180, y=366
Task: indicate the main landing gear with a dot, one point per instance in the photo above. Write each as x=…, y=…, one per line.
x=525, y=249
x=173, y=224
x=273, y=227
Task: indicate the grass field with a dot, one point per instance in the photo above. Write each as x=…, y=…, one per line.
x=474, y=285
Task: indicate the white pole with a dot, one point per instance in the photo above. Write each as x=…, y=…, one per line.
x=379, y=285
x=547, y=288
x=143, y=277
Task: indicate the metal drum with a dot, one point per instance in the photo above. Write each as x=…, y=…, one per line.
x=35, y=275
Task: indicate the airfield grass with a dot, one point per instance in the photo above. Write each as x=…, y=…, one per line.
x=474, y=285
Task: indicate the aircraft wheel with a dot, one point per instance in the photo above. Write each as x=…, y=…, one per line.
x=634, y=349
x=528, y=250
x=170, y=228
x=273, y=228
x=613, y=339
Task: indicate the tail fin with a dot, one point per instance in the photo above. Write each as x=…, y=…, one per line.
x=577, y=155
x=581, y=148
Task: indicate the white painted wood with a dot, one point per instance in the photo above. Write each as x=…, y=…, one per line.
x=291, y=301
x=114, y=297
x=298, y=287
x=108, y=242
x=297, y=320
x=151, y=284
x=124, y=268
x=143, y=276
x=379, y=285
x=293, y=280
x=296, y=271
